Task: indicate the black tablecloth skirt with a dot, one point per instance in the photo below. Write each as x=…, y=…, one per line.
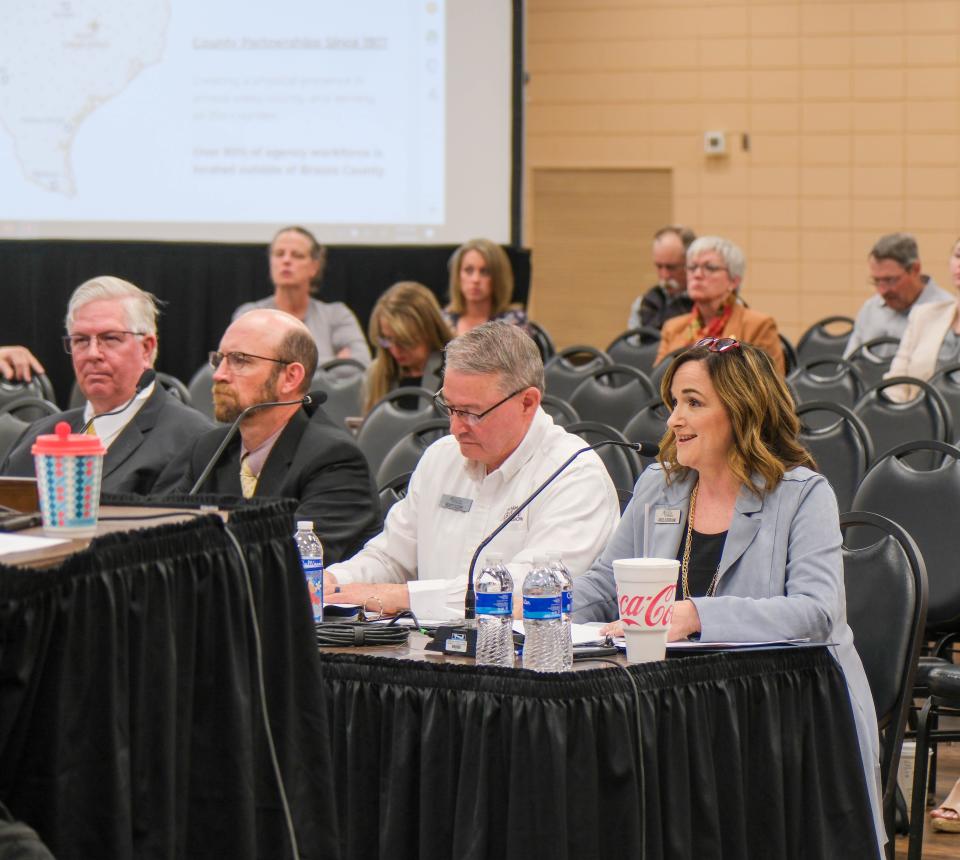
x=130, y=721
x=744, y=755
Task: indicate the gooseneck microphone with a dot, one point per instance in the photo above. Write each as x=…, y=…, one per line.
x=317, y=397
x=648, y=449
x=145, y=379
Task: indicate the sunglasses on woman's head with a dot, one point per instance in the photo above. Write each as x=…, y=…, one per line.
x=718, y=344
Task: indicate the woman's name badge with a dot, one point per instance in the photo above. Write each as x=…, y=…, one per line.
x=457, y=503
x=667, y=516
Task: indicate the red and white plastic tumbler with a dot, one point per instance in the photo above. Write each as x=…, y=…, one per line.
x=69, y=469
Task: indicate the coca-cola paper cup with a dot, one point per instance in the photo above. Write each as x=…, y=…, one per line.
x=69, y=467
x=645, y=592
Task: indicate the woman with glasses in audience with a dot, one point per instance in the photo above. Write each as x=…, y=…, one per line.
x=409, y=333
x=715, y=269
x=735, y=499
x=931, y=341
x=297, y=261
x=481, y=287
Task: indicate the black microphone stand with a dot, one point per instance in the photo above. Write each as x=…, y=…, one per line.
x=461, y=639
x=145, y=379
x=305, y=400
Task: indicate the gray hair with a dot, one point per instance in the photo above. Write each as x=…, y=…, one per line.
x=899, y=247
x=684, y=234
x=500, y=348
x=731, y=254
x=139, y=306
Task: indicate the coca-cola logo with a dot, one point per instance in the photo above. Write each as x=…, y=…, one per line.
x=644, y=610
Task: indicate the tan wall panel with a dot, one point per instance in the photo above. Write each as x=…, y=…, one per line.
x=593, y=248
x=852, y=111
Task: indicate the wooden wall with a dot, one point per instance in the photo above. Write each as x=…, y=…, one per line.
x=852, y=118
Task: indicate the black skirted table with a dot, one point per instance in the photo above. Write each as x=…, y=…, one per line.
x=130, y=727
x=748, y=754
x=130, y=718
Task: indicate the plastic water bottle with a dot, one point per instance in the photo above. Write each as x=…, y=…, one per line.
x=494, y=613
x=555, y=561
x=542, y=623
x=311, y=557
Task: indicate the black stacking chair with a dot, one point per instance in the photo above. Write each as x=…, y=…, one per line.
x=790, y=360
x=660, y=369
x=943, y=685
x=873, y=358
x=623, y=465
x=840, y=443
x=890, y=423
x=827, y=378
x=637, y=348
x=200, y=389
x=886, y=592
x=542, y=339
x=612, y=395
x=826, y=337
x=389, y=421
x=403, y=457
x=29, y=408
x=559, y=409
x=947, y=382
x=648, y=425
x=925, y=502
x=392, y=491
x=569, y=367
x=342, y=381
x=39, y=386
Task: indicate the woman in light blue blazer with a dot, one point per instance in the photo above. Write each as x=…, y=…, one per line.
x=735, y=499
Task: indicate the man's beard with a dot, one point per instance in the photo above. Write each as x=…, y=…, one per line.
x=670, y=285
x=226, y=406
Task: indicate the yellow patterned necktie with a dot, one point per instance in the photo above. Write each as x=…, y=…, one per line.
x=248, y=481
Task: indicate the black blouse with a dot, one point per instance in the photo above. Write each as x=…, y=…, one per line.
x=705, y=553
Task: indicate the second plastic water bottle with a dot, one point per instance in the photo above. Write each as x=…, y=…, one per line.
x=556, y=564
x=542, y=624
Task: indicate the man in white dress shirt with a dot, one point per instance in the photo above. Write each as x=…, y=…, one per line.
x=501, y=446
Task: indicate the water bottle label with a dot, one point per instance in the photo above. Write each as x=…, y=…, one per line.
x=541, y=608
x=495, y=603
x=313, y=571
x=566, y=601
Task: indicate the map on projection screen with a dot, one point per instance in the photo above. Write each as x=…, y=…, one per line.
x=217, y=120
x=59, y=62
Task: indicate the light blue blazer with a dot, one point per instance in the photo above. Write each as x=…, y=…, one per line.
x=781, y=577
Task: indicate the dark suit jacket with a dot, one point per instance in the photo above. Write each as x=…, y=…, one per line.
x=312, y=461
x=160, y=431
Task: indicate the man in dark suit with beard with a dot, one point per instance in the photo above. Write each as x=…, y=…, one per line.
x=112, y=339
x=281, y=451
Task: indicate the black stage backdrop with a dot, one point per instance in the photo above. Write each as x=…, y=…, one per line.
x=201, y=284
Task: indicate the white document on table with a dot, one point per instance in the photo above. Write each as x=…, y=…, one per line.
x=12, y=543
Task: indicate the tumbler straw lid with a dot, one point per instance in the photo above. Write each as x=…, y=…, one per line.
x=62, y=442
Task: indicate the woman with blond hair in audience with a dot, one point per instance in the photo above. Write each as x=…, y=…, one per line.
x=409, y=334
x=481, y=287
x=715, y=269
x=297, y=262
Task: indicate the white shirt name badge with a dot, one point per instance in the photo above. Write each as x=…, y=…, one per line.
x=667, y=516
x=456, y=503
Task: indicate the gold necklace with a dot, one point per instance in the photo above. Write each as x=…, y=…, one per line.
x=685, y=566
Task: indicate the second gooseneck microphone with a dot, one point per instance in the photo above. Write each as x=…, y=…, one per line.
x=145, y=379
x=312, y=397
